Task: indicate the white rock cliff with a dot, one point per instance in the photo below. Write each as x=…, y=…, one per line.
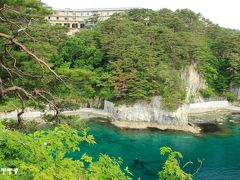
x=152, y=111
x=194, y=82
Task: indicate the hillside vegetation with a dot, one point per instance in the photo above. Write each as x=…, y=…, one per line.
x=129, y=57
x=142, y=53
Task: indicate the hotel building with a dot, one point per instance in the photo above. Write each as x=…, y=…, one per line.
x=77, y=19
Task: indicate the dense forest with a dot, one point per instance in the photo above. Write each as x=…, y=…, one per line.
x=129, y=57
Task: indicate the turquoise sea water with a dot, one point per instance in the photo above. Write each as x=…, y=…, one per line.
x=221, y=153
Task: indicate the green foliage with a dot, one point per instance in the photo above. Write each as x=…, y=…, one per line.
x=71, y=120
x=81, y=84
x=171, y=168
x=25, y=22
x=107, y=168
x=207, y=93
x=230, y=96
x=82, y=50
x=27, y=127
x=68, y=105
x=42, y=155
x=9, y=104
x=172, y=88
x=27, y=6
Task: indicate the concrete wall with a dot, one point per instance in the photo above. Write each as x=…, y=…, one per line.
x=236, y=91
x=208, y=106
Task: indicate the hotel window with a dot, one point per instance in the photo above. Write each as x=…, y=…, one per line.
x=82, y=25
x=74, y=25
x=49, y=17
x=66, y=18
x=67, y=24
x=57, y=18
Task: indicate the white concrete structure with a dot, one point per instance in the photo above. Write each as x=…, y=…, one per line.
x=203, y=107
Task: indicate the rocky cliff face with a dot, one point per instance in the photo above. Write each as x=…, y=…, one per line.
x=194, y=82
x=152, y=111
x=236, y=91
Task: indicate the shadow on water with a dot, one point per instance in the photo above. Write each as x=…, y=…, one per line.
x=224, y=128
x=142, y=166
x=209, y=128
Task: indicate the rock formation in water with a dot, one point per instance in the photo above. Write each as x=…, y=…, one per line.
x=152, y=111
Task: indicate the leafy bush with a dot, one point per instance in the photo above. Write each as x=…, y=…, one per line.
x=171, y=168
x=230, y=96
x=107, y=168
x=68, y=105
x=42, y=155
x=207, y=93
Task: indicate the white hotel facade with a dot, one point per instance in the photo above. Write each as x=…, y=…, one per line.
x=78, y=19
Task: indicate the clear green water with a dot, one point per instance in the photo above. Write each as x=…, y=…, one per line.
x=221, y=153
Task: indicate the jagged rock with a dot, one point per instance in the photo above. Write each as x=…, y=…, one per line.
x=194, y=82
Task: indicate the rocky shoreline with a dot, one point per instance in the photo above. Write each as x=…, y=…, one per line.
x=100, y=115
x=152, y=114
x=148, y=115
x=150, y=125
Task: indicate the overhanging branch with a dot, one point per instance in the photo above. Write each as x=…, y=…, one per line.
x=37, y=59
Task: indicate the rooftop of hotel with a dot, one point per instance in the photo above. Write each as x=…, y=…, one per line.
x=96, y=9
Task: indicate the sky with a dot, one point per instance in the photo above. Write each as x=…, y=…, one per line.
x=225, y=13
